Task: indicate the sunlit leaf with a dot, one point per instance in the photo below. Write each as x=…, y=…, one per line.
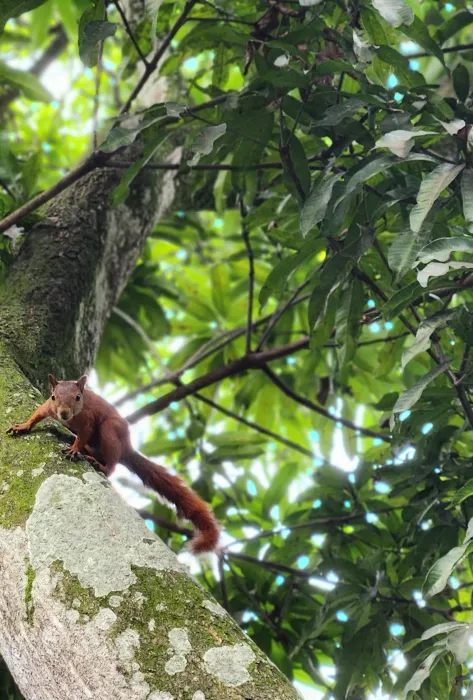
x=431, y=187
x=396, y=12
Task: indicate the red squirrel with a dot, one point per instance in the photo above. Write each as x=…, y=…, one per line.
x=103, y=439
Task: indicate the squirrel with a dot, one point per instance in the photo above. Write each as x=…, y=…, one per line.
x=103, y=439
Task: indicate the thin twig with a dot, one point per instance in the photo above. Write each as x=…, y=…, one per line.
x=95, y=115
x=153, y=64
x=277, y=381
x=449, y=49
x=205, y=351
x=7, y=189
x=279, y=312
x=230, y=20
x=255, y=426
x=94, y=161
x=223, y=584
x=251, y=275
x=203, y=166
x=318, y=522
x=129, y=31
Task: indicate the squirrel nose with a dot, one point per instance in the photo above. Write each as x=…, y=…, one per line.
x=64, y=414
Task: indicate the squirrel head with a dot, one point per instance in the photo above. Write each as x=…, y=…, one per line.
x=67, y=398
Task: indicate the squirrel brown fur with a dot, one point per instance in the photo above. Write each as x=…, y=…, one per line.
x=103, y=439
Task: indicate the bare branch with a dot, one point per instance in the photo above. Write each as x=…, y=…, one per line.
x=129, y=31
x=251, y=275
x=318, y=409
x=251, y=361
x=254, y=426
x=153, y=64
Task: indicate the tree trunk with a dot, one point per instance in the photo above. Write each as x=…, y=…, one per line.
x=92, y=604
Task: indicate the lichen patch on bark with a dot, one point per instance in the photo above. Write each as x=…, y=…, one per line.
x=68, y=516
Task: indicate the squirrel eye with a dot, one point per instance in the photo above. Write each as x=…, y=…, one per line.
x=53, y=397
x=78, y=397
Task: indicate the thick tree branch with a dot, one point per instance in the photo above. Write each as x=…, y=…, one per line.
x=251, y=361
x=247, y=362
x=205, y=351
x=94, y=161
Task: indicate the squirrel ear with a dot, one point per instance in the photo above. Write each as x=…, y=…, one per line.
x=82, y=382
x=53, y=382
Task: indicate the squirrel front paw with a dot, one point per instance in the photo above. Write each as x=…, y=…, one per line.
x=71, y=453
x=18, y=429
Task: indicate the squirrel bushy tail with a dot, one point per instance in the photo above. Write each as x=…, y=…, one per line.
x=173, y=489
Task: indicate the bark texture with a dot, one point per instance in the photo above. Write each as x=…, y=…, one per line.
x=72, y=268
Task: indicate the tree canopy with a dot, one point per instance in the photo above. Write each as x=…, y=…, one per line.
x=295, y=338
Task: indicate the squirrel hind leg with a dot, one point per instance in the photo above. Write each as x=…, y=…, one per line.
x=98, y=465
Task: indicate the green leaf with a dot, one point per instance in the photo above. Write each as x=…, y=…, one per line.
x=411, y=396
x=424, y=332
x=374, y=26
x=442, y=628
x=204, y=142
x=347, y=322
x=419, y=33
x=396, y=12
x=431, y=187
x=120, y=192
x=315, y=206
x=333, y=66
x=421, y=674
x=437, y=269
x=66, y=11
x=400, y=142
x=283, y=78
x=221, y=67
x=405, y=248
x=40, y=22
x=399, y=65
x=461, y=82
x=440, y=572
x=454, y=24
x=251, y=146
x=334, y=115
x=25, y=82
x=296, y=167
x=279, y=276
x=333, y=274
x=465, y=492
x=91, y=33
x=372, y=168
x=442, y=248
x=467, y=197
x=15, y=8
x=462, y=326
